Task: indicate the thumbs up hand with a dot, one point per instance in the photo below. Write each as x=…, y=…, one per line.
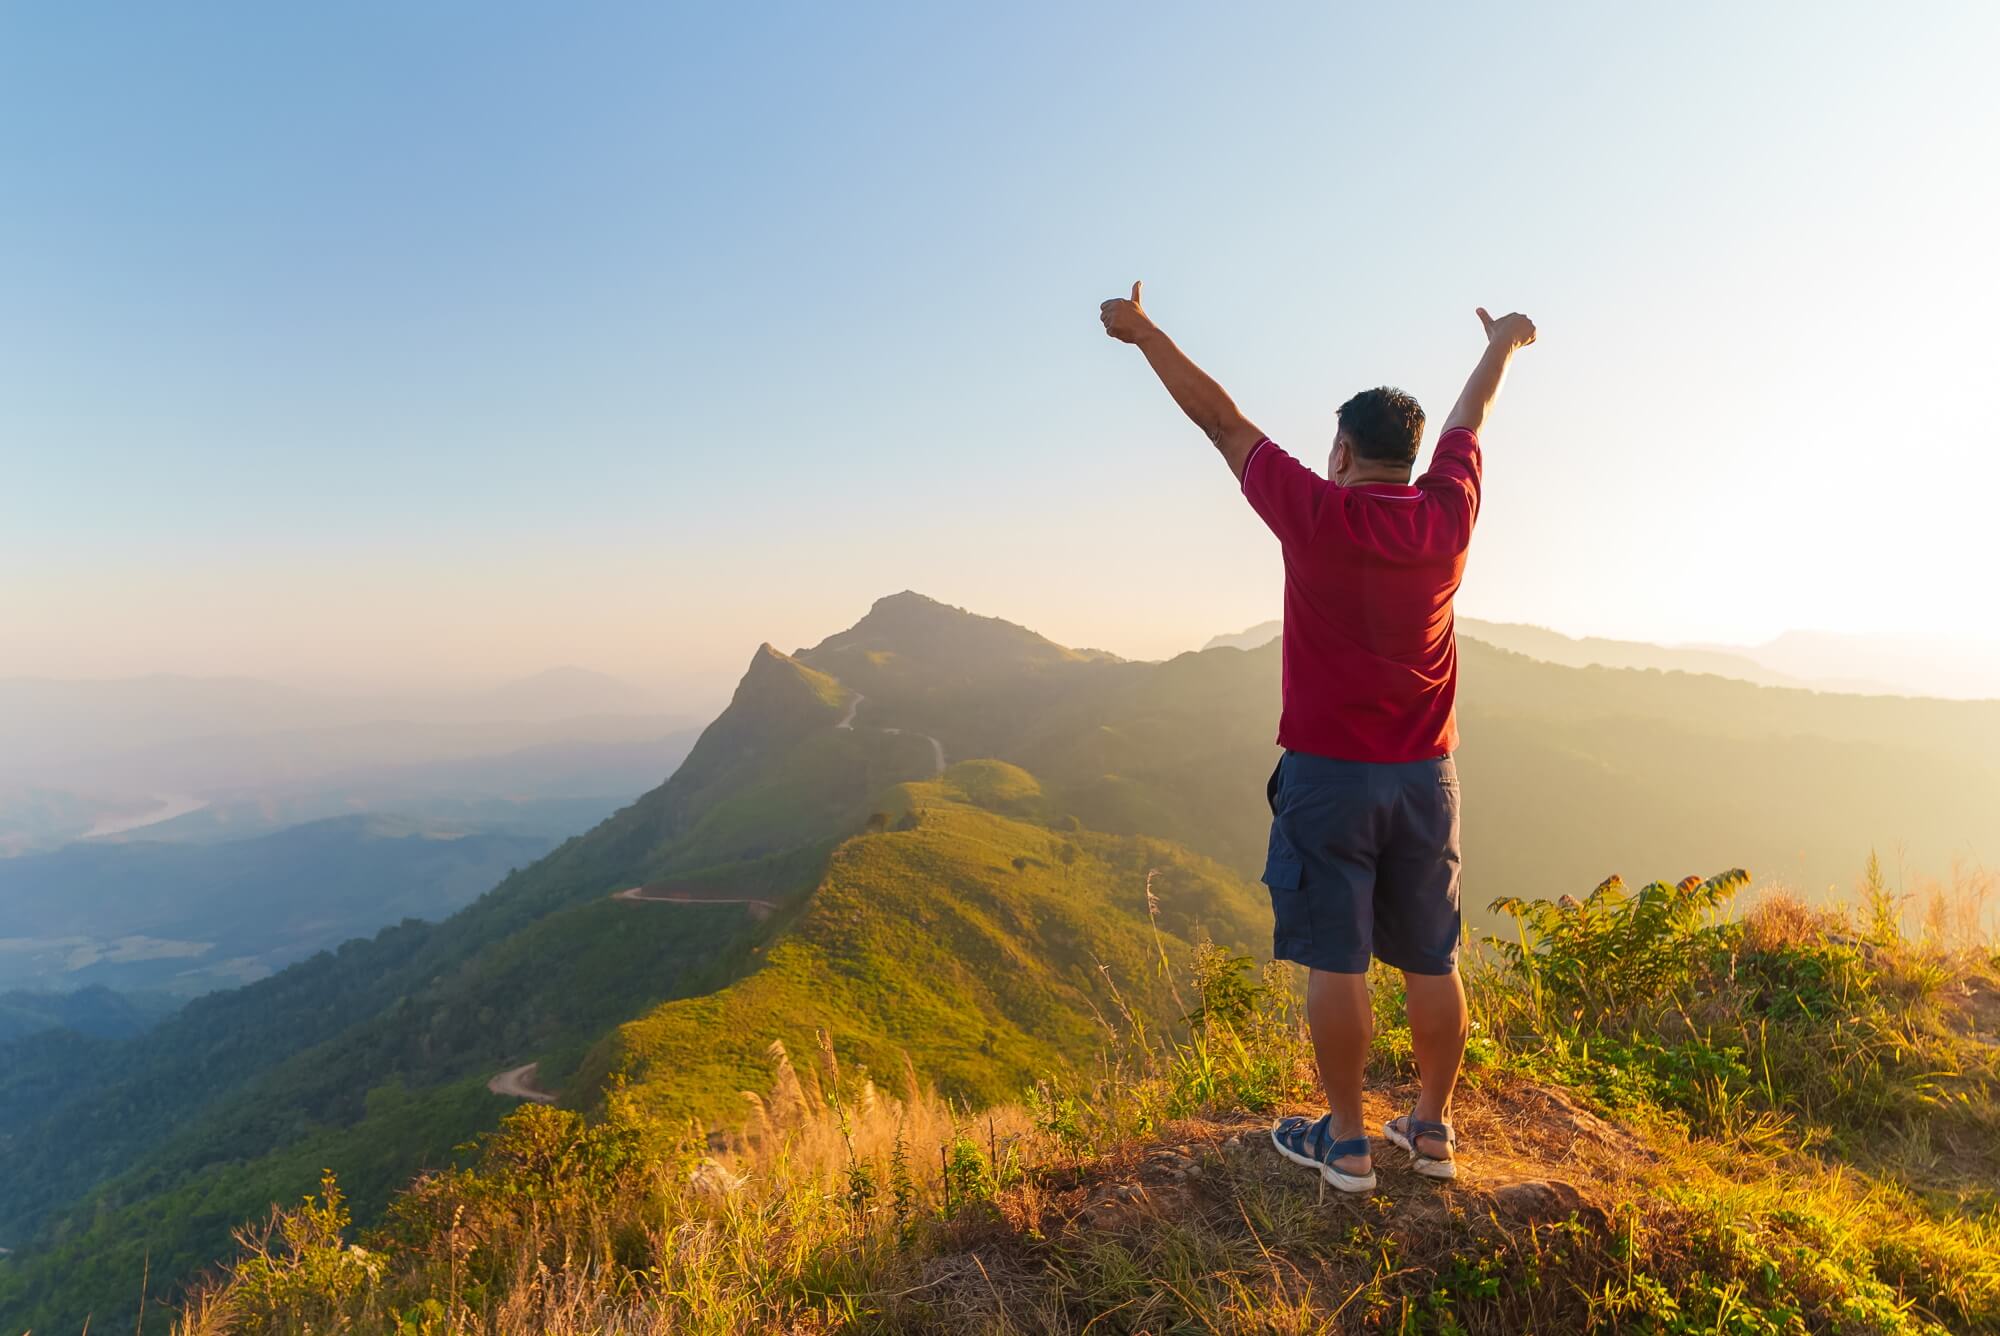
x=1124, y=319
x=1514, y=330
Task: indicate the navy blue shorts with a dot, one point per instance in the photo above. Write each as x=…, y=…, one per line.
x=1364, y=860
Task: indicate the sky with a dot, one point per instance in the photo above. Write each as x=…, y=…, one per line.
x=451, y=341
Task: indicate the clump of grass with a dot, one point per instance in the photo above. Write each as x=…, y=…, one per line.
x=1781, y=920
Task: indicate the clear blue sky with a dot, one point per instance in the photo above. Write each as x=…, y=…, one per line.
x=435, y=339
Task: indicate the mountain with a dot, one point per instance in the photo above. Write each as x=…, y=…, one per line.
x=950, y=671
x=1959, y=667
x=1539, y=642
x=1947, y=667
x=191, y=918
x=96, y=1011
x=1256, y=637
x=1598, y=652
x=551, y=789
x=87, y=759
x=925, y=834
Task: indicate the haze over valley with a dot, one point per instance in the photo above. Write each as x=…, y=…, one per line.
x=788, y=857
x=173, y=835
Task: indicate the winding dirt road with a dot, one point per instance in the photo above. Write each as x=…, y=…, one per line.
x=663, y=894
x=937, y=748
x=519, y=1083
x=847, y=720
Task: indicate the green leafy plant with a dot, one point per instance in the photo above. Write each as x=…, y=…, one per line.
x=1613, y=951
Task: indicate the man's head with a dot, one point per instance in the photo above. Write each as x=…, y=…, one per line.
x=1378, y=437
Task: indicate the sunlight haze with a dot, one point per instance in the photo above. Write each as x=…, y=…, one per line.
x=464, y=341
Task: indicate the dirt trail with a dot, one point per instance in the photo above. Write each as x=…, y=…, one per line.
x=937, y=748
x=519, y=1083
x=663, y=894
x=847, y=720
x=1530, y=1152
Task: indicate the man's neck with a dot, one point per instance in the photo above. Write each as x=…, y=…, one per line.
x=1360, y=478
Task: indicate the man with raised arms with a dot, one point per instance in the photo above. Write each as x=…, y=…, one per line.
x=1363, y=857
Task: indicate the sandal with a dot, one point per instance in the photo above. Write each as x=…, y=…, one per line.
x=1304, y=1141
x=1409, y=1129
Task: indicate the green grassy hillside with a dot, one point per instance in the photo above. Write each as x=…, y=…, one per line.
x=973, y=943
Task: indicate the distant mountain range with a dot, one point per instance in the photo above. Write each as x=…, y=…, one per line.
x=44, y=718
x=189, y=918
x=82, y=759
x=97, y=1012
x=812, y=869
x=1948, y=668
x=1959, y=667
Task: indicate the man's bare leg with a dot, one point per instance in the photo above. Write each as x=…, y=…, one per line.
x=1438, y=1029
x=1342, y=1022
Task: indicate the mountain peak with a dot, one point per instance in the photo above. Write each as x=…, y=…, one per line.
x=919, y=629
x=910, y=598
x=910, y=610
x=1258, y=636
x=775, y=676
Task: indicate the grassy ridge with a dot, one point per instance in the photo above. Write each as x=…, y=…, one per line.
x=1659, y=1116
x=973, y=942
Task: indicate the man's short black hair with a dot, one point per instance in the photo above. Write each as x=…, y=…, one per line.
x=1385, y=425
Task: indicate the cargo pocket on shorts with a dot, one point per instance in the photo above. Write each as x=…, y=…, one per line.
x=1291, y=930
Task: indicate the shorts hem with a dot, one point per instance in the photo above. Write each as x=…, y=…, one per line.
x=1326, y=962
x=1420, y=964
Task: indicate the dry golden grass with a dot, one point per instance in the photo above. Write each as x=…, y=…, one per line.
x=1781, y=918
x=1959, y=914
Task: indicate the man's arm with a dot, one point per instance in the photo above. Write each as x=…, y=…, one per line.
x=1206, y=403
x=1503, y=338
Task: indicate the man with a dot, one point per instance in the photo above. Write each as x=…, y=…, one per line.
x=1365, y=810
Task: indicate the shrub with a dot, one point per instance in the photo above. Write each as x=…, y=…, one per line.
x=1613, y=952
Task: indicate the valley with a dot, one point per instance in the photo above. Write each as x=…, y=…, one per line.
x=820, y=864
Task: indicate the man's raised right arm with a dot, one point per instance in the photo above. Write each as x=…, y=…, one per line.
x=1205, y=402
x=1504, y=337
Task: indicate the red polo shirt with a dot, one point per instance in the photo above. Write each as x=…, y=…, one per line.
x=1370, y=664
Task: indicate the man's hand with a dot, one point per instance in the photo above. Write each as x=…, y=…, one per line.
x=1504, y=337
x=1126, y=320
x=1514, y=330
